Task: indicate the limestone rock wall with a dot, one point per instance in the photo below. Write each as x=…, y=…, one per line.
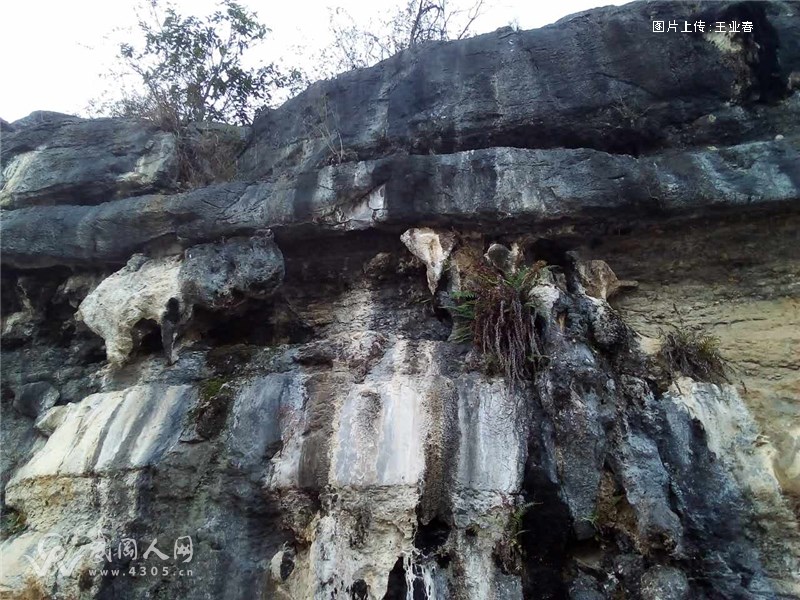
x=49, y=158
x=264, y=377
x=740, y=281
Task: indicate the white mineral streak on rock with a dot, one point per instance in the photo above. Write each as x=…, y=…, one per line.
x=16, y=175
x=69, y=488
x=491, y=460
x=368, y=209
x=377, y=461
x=433, y=248
x=104, y=433
x=376, y=200
x=731, y=432
x=733, y=435
x=152, y=165
x=267, y=410
x=423, y=572
x=82, y=161
x=383, y=441
x=362, y=213
x=392, y=420
x=139, y=290
x=53, y=418
x=492, y=433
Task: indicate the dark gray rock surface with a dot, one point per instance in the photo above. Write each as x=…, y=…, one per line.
x=218, y=275
x=36, y=398
x=598, y=79
x=508, y=187
x=49, y=158
x=563, y=123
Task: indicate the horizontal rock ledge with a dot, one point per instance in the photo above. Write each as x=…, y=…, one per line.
x=492, y=186
x=600, y=79
x=50, y=158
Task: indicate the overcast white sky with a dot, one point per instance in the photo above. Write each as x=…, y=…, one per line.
x=53, y=53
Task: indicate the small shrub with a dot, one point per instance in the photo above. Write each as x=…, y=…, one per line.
x=323, y=124
x=497, y=315
x=182, y=73
x=207, y=153
x=692, y=352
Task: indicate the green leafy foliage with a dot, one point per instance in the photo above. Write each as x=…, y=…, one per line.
x=211, y=411
x=191, y=68
x=495, y=313
x=516, y=518
x=211, y=388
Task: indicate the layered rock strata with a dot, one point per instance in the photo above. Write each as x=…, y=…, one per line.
x=270, y=366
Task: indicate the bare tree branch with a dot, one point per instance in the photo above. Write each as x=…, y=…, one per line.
x=412, y=23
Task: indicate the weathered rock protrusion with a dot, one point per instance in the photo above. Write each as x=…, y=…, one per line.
x=165, y=290
x=325, y=433
x=433, y=248
x=599, y=280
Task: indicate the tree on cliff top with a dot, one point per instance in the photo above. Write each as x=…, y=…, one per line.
x=191, y=68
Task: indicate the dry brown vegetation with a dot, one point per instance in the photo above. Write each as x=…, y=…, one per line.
x=692, y=352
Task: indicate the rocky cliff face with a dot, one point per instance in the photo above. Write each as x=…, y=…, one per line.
x=265, y=379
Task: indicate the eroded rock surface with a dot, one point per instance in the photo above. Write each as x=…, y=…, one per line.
x=211, y=276
x=271, y=367
x=432, y=248
x=739, y=279
x=50, y=159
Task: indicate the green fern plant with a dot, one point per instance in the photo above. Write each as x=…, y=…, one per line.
x=509, y=549
x=516, y=518
x=495, y=313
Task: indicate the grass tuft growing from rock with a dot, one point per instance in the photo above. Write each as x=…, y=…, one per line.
x=211, y=388
x=211, y=412
x=692, y=352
